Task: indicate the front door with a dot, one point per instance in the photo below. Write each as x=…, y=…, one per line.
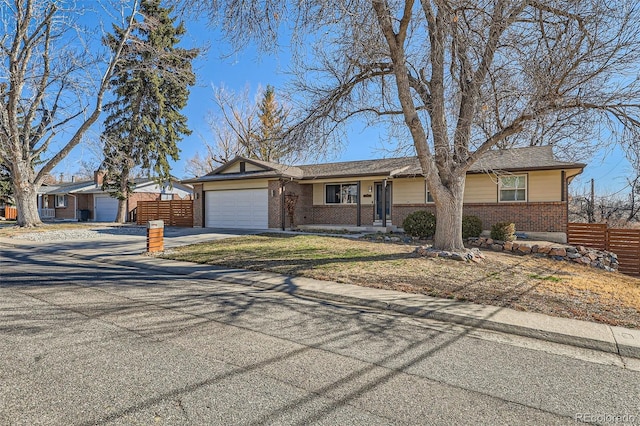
x=383, y=199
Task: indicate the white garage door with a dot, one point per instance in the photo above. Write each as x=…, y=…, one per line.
x=106, y=208
x=242, y=209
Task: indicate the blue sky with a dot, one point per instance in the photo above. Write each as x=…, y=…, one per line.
x=609, y=168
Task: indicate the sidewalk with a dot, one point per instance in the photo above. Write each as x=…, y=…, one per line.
x=601, y=337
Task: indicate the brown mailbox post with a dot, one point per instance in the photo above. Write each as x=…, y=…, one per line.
x=155, y=236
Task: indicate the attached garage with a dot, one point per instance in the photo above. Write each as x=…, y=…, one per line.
x=238, y=208
x=105, y=208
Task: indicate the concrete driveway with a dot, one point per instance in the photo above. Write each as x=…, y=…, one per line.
x=128, y=239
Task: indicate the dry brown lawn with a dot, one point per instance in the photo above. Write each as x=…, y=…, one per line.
x=525, y=283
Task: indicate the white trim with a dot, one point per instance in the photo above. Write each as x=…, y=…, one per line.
x=75, y=203
x=526, y=188
x=56, y=200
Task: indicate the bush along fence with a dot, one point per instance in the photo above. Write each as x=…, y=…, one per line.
x=583, y=255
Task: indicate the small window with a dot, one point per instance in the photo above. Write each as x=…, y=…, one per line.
x=341, y=194
x=61, y=201
x=166, y=197
x=513, y=188
x=429, y=197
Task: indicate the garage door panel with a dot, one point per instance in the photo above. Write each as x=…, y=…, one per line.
x=242, y=208
x=106, y=209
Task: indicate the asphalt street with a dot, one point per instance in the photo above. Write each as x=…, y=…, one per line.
x=85, y=343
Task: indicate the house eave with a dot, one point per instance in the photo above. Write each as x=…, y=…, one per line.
x=223, y=178
x=531, y=169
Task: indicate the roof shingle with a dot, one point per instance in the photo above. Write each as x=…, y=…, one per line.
x=516, y=159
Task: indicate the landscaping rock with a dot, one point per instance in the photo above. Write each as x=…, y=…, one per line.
x=558, y=251
x=544, y=249
x=581, y=255
x=472, y=255
x=524, y=249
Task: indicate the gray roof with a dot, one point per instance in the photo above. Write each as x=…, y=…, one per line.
x=87, y=186
x=66, y=187
x=510, y=160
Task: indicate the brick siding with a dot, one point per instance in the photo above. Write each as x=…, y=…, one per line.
x=339, y=214
x=198, y=206
x=531, y=217
x=303, y=212
x=140, y=196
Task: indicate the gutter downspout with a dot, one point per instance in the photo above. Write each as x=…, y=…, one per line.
x=282, y=209
x=359, y=206
x=384, y=203
x=567, y=181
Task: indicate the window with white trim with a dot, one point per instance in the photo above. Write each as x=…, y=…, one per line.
x=513, y=188
x=429, y=197
x=60, y=201
x=343, y=193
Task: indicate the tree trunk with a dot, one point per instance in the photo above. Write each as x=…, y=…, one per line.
x=25, y=194
x=121, y=217
x=448, y=200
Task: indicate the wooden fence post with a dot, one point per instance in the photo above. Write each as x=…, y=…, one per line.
x=155, y=236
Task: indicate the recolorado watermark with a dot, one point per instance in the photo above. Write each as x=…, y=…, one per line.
x=605, y=418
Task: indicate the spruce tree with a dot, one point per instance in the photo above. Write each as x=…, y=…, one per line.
x=268, y=143
x=151, y=86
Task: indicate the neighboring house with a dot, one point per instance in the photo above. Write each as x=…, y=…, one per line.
x=86, y=200
x=527, y=186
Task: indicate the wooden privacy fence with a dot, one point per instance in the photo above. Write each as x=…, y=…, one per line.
x=10, y=213
x=625, y=243
x=172, y=212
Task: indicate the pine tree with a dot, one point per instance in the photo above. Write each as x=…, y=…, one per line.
x=272, y=117
x=144, y=123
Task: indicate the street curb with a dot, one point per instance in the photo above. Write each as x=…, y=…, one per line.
x=617, y=340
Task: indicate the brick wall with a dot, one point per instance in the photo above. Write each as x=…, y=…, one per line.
x=339, y=214
x=85, y=201
x=66, y=212
x=275, y=205
x=198, y=202
x=303, y=211
x=141, y=196
x=367, y=215
x=531, y=217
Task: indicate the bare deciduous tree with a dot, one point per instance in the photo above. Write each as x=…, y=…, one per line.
x=461, y=77
x=254, y=129
x=49, y=98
